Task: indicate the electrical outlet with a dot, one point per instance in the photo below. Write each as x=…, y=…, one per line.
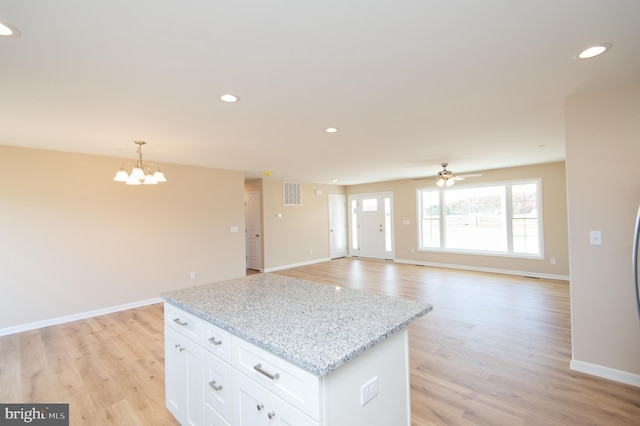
x=368, y=391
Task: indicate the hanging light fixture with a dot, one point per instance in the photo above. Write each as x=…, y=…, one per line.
x=445, y=177
x=141, y=173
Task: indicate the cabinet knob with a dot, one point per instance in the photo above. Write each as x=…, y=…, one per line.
x=260, y=406
x=271, y=414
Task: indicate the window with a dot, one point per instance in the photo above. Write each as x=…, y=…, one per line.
x=498, y=218
x=370, y=205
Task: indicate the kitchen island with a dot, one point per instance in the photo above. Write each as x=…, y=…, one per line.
x=271, y=349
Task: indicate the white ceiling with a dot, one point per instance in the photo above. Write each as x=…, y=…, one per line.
x=408, y=83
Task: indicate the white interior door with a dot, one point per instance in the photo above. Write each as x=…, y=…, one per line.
x=337, y=226
x=253, y=218
x=374, y=223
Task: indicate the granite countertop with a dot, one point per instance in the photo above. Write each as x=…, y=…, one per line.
x=316, y=326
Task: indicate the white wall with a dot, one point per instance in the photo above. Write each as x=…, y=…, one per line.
x=603, y=186
x=74, y=241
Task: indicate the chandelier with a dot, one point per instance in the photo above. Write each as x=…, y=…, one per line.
x=141, y=173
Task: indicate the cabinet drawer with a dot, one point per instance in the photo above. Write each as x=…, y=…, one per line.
x=293, y=384
x=216, y=340
x=217, y=387
x=183, y=322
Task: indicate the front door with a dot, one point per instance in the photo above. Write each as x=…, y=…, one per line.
x=371, y=220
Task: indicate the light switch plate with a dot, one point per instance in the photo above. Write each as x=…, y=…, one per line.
x=595, y=238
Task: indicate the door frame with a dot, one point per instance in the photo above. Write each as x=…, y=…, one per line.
x=259, y=266
x=335, y=253
x=354, y=231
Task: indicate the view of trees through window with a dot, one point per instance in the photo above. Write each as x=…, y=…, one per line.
x=496, y=218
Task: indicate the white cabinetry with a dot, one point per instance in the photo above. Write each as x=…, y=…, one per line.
x=216, y=379
x=258, y=406
x=183, y=377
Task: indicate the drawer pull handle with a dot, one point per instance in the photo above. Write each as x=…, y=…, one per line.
x=271, y=414
x=258, y=367
x=214, y=341
x=215, y=386
x=180, y=348
x=260, y=406
x=177, y=321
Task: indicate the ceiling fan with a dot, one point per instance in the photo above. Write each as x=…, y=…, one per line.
x=446, y=177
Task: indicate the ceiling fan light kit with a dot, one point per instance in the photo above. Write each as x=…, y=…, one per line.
x=445, y=177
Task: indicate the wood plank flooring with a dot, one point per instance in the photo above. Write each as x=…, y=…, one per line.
x=110, y=369
x=494, y=351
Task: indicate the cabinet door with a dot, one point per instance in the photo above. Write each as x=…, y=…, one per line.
x=283, y=414
x=174, y=380
x=250, y=402
x=213, y=418
x=183, y=378
x=217, y=385
x=255, y=405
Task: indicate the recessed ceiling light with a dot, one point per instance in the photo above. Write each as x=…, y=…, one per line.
x=331, y=130
x=594, y=51
x=229, y=98
x=334, y=180
x=7, y=30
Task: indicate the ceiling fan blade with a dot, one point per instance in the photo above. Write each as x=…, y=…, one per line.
x=463, y=177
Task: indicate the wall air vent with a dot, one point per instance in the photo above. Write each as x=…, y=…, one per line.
x=292, y=193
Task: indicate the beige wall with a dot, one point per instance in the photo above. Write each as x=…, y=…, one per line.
x=603, y=181
x=554, y=216
x=74, y=241
x=301, y=235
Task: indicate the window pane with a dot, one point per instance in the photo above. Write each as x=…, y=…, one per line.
x=430, y=219
x=387, y=224
x=354, y=224
x=525, y=218
x=370, y=205
x=475, y=219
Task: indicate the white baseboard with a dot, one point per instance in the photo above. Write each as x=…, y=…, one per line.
x=606, y=372
x=490, y=270
x=295, y=265
x=75, y=317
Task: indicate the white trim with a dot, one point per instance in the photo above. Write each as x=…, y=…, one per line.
x=74, y=317
x=491, y=270
x=606, y=372
x=295, y=265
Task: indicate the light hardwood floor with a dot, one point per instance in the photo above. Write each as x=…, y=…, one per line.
x=495, y=350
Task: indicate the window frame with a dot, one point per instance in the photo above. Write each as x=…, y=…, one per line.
x=508, y=185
